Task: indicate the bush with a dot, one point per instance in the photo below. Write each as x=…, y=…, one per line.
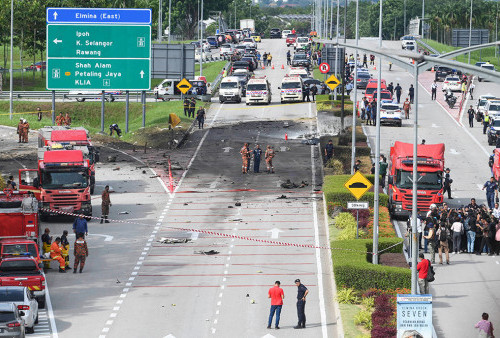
x=2, y=183
x=347, y=234
x=368, y=302
x=345, y=220
x=347, y=296
x=353, y=269
x=383, y=332
x=337, y=194
x=338, y=167
x=364, y=317
x=346, y=138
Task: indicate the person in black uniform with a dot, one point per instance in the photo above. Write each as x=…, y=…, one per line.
x=411, y=93
x=471, y=114
x=447, y=183
x=306, y=93
x=288, y=58
x=186, y=106
x=314, y=91
x=398, y=90
x=328, y=151
x=301, y=304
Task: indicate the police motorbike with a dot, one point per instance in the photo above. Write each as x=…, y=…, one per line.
x=450, y=98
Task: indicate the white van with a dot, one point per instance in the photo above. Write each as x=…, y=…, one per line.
x=301, y=42
x=230, y=89
x=299, y=71
x=407, y=39
x=258, y=90
x=291, y=89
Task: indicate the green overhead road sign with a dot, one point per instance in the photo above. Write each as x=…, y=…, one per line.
x=98, y=41
x=103, y=74
x=85, y=54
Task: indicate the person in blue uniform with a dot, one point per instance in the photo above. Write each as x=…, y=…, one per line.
x=301, y=304
x=257, y=153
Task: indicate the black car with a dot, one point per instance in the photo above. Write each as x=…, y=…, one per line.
x=251, y=61
x=301, y=60
x=493, y=132
x=240, y=65
x=363, y=78
x=442, y=72
x=275, y=33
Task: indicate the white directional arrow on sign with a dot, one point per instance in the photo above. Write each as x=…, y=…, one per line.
x=274, y=232
x=142, y=74
x=56, y=41
x=55, y=15
x=227, y=149
x=194, y=235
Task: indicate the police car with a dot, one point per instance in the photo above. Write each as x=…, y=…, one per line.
x=494, y=131
x=391, y=113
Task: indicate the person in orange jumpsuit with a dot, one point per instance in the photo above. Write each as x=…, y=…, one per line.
x=60, y=119
x=67, y=120
x=269, y=159
x=56, y=254
x=25, y=131
x=20, y=130
x=244, y=157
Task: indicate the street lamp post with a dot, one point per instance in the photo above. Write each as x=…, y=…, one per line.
x=169, y=17
x=377, y=148
x=404, y=17
x=423, y=14
x=11, y=71
x=354, y=110
x=160, y=20
x=470, y=28
x=337, y=46
x=201, y=40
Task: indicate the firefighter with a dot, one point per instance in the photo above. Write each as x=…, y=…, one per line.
x=244, y=158
x=186, y=106
x=20, y=129
x=81, y=252
x=67, y=120
x=25, y=131
x=105, y=204
x=55, y=253
x=60, y=119
x=39, y=113
x=269, y=159
x=46, y=241
x=65, y=248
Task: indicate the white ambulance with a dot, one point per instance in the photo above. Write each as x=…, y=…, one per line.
x=300, y=71
x=258, y=90
x=230, y=89
x=291, y=89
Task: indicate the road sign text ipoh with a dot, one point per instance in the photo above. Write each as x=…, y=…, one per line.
x=103, y=49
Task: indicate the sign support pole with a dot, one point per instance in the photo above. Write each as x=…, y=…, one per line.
x=143, y=97
x=127, y=99
x=102, y=111
x=357, y=223
x=53, y=107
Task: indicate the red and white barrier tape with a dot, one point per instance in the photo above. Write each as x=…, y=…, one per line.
x=245, y=238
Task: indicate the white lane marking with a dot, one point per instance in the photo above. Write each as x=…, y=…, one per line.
x=318, y=253
x=219, y=303
x=454, y=152
x=50, y=313
x=435, y=126
x=213, y=330
x=497, y=262
x=194, y=235
x=107, y=238
x=109, y=322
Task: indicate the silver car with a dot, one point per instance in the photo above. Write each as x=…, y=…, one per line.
x=22, y=298
x=11, y=321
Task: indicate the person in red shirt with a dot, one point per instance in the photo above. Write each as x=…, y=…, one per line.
x=423, y=268
x=277, y=295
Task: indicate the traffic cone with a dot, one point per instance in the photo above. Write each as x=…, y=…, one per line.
x=374, y=67
x=272, y=66
x=282, y=66
x=263, y=67
x=286, y=137
x=432, y=69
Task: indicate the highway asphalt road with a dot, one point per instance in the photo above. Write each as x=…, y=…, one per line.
x=135, y=286
x=466, y=288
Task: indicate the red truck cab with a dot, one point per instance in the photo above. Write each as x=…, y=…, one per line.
x=18, y=215
x=61, y=183
x=290, y=39
x=15, y=247
x=24, y=271
x=430, y=168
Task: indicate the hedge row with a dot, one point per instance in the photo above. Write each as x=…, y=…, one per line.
x=337, y=194
x=353, y=269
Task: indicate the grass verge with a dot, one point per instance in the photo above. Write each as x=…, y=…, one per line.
x=486, y=54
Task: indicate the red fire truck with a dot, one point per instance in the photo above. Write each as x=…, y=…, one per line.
x=61, y=183
x=59, y=138
x=430, y=168
x=18, y=215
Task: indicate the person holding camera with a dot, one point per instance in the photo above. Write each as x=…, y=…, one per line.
x=491, y=187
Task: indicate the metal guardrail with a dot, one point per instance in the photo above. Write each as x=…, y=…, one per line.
x=428, y=47
x=47, y=94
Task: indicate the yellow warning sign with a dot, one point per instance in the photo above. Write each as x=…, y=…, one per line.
x=174, y=120
x=358, y=185
x=332, y=82
x=184, y=86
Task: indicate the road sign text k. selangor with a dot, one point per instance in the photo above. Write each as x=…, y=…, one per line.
x=103, y=49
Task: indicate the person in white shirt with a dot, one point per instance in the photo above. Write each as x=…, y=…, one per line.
x=471, y=90
x=457, y=228
x=496, y=211
x=434, y=87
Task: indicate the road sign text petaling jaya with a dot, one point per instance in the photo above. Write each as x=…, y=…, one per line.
x=103, y=49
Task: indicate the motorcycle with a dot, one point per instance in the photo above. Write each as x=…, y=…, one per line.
x=450, y=99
